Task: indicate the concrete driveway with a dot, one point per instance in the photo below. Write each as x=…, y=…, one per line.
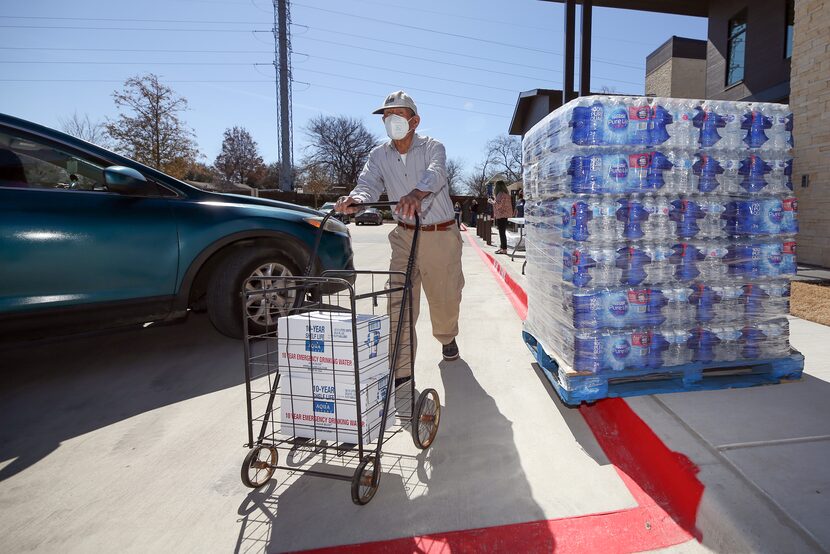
x=133, y=441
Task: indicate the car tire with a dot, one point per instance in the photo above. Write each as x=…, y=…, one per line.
x=224, y=294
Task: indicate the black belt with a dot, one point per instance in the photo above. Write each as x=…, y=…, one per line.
x=434, y=227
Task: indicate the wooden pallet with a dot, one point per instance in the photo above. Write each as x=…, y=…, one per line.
x=576, y=387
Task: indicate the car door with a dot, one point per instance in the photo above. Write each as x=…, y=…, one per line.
x=67, y=241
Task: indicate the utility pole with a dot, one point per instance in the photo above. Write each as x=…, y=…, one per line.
x=282, y=65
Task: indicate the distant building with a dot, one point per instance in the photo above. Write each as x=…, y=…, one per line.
x=677, y=69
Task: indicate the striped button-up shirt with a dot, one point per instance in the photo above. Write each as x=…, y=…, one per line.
x=425, y=169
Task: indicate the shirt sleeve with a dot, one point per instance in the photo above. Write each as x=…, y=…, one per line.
x=434, y=178
x=370, y=181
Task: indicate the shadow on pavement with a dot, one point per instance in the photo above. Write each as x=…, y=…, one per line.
x=54, y=391
x=471, y=477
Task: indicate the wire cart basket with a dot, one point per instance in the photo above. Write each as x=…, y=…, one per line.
x=321, y=373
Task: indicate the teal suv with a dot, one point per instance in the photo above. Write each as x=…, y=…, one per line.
x=90, y=239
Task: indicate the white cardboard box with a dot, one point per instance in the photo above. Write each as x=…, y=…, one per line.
x=320, y=341
x=328, y=409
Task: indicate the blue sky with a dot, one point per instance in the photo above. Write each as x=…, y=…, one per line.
x=464, y=62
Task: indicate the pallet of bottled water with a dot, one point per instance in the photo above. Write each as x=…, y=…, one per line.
x=660, y=240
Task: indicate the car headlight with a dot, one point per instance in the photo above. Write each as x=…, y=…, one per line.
x=332, y=225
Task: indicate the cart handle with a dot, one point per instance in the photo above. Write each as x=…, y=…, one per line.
x=320, y=230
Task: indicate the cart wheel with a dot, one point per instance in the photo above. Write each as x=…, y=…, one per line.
x=259, y=466
x=427, y=416
x=365, y=481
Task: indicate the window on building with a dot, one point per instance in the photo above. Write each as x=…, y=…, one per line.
x=788, y=48
x=736, y=49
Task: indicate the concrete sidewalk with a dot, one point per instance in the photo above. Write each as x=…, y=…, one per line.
x=762, y=452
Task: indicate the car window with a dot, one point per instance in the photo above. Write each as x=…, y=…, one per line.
x=27, y=163
x=32, y=163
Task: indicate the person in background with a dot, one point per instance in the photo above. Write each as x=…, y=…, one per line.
x=457, y=210
x=474, y=212
x=502, y=209
x=412, y=170
x=520, y=204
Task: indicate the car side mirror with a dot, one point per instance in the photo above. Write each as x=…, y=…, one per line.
x=125, y=180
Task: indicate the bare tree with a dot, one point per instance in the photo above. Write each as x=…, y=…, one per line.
x=340, y=145
x=476, y=182
x=149, y=128
x=455, y=171
x=239, y=159
x=504, y=155
x=85, y=129
x=315, y=179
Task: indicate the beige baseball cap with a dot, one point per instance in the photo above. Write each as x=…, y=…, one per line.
x=398, y=99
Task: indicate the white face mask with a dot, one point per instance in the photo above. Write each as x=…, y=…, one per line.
x=397, y=127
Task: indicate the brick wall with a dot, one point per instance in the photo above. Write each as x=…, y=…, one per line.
x=658, y=82
x=810, y=101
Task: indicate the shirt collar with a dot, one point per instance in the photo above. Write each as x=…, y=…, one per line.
x=417, y=141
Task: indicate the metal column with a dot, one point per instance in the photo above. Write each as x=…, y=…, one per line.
x=570, y=44
x=585, y=49
x=283, y=63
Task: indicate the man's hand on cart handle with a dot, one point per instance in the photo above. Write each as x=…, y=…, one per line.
x=347, y=205
x=410, y=204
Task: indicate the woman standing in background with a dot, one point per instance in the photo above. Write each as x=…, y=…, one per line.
x=502, y=209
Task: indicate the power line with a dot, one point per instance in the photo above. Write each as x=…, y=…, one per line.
x=136, y=50
x=75, y=62
x=422, y=47
x=462, y=65
x=404, y=87
x=80, y=28
x=121, y=19
x=445, y=33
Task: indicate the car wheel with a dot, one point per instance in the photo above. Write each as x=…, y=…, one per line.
x=263, y=304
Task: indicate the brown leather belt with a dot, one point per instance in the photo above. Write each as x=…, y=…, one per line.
x=435, y=227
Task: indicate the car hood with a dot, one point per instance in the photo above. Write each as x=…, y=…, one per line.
x=255, y=201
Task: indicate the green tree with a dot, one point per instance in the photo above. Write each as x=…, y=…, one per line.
x=239, y=159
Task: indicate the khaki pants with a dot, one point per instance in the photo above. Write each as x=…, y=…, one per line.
x=438, y=269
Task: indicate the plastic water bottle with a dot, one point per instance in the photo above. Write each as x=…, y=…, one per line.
x=678, y=352
x=731, y=114
x=596, y=123
x=709, y=122
x=660, y=269
x=686, y=214
x=788, y=261
x=713, y=268
x=780, y=131
x=712, y=225
x=755, y=123
x=777, y=298
x=730, y=307
x=789, y=219
x=777, y=344
x=610, y=231
x=641, y=123
x=682, y=131
x=685, y=258
x=633, y=215
x=632, y=260
x=680, y=179
x=728, y=347
x=754, y=171
x=580, y=218
x=707, y=169
x=704, y=298
x=702, y=344
x=616, y=129
x=678, y=310
x=730, y=179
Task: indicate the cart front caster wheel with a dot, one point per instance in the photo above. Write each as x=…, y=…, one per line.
x=259, y=466
x=366, y=480
x=427, y=416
